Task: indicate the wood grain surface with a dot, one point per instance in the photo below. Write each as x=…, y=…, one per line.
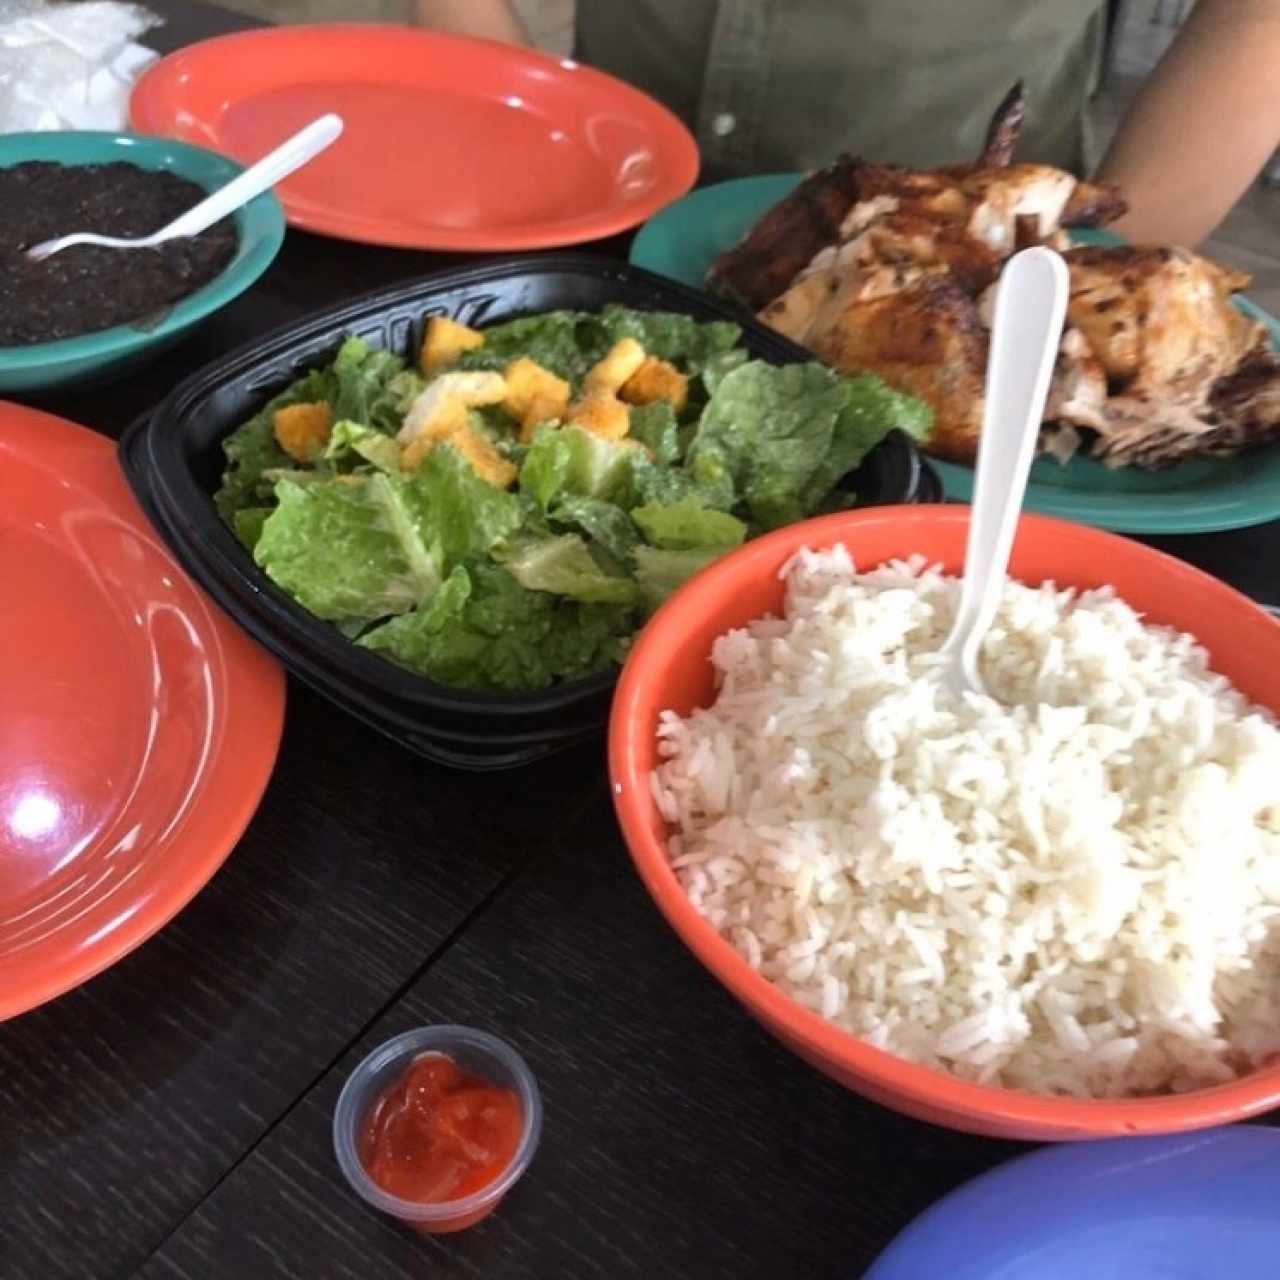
x=123, y=1102
x=680, y=1139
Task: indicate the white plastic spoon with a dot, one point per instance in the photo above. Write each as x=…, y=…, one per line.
x=305, y=145
x=1031, y=305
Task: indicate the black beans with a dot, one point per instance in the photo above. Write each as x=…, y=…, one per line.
x=85, y=289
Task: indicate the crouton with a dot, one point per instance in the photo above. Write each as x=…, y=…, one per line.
x=411, y=455
x=445, y=341
x=656, y=380
x=442, y=407
x=485, y=460
x=534, y=395
x=601, y=413
x=422, y=444
x=302, y=430
x=552, y=409
x=619, y=363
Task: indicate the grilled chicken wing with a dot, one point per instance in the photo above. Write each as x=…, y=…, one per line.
x=1005, y=126
x=784, y=240
x=1094, y=204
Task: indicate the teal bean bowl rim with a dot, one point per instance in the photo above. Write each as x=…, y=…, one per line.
x=260, y=227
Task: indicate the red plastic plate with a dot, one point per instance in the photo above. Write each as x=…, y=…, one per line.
x=450, y=143
x=138, y=726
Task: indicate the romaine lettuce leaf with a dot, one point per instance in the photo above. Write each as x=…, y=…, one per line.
x=598, y=468
x=606, y=524
x=363, y=376
x=454, y=513
x=247, y=524
x=298, y=475
x=413, y=639
x=483, y=630
x=351, y=443
x=563, y=565
x=670, y=336
x=764, y=432
x=389, y=406
x=871, y=410
x=351, y=627
x=564, y=461
x=582, y=638
x=364, y=546
x=251, y=448
x=721, y=363
x=346, y=549
x=711, y=475
x=687, y=525
x=659, y=572
x=366, y=386
x=545, y=469
x=668, y=485
x=566, y=342
x=654, y=426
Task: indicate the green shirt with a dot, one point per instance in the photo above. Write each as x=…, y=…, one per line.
x=283, y=11
x=775, y=85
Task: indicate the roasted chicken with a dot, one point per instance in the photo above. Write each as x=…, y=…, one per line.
x=882, y=269
x=1160, y=319
x=1245, y=406
x=925, y=338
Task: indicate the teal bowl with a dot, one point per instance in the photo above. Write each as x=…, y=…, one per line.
x=109, y=353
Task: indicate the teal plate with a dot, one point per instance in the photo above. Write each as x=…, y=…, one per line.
x=110, y=353
x=1202, y=496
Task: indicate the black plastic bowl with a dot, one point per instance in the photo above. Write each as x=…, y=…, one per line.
x=173, y=460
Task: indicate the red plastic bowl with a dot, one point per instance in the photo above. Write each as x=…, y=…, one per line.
x=669, y=667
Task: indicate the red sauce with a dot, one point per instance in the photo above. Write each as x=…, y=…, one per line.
x=440, y=1133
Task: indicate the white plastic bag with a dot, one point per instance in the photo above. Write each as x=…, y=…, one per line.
x=69, y=65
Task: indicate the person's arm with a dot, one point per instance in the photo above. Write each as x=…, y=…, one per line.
x=492, y=19
x=1203, y=125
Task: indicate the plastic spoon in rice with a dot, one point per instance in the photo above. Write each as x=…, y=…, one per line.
x=1031, y=305
x=305, y=145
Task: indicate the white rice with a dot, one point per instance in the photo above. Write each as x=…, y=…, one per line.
x=1073, y=888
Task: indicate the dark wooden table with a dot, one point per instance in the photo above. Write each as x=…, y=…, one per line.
x=171, y=1117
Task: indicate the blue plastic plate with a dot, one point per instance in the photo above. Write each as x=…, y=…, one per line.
x=1192, y=1206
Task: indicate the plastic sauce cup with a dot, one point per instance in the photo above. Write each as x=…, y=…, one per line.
x=474, y=1051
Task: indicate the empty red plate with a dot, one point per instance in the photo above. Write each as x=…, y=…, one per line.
x=138, y=726
x=450, y=143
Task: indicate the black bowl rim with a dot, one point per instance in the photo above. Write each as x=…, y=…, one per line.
x=150, y=453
